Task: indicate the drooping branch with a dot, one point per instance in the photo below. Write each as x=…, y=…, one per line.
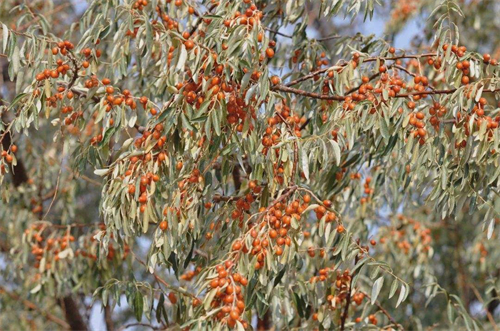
x=345, y=313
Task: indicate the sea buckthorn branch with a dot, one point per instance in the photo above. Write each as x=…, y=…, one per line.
x=162, y=281
x=313, y=95
x=384, y=311
x=345, y=314
x=363, y=60
x=284, y=88
x=278, y=33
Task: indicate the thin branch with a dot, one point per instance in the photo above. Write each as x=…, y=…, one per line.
x=164, y=282
x=126, y=326
x=384, y=311
x=278, y=33
x=218, y=198
x=345, y=314
x=65, y=226
x=488, y=314
x=200, y=20
x=287, y=89
x=335, y=36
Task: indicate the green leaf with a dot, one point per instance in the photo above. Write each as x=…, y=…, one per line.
x=182, y=58
x=402, y=295
x=336, y=151
x=138, y=305
x=5, y=37
x=377, y=286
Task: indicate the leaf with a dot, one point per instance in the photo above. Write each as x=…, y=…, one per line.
x=279, y=276
x=491, y=227
x=402, y=295
x=209, y=298
x=5, y=36
x=449, y=311
x=138, y=305
x=336, y=151
x=240, y=326
x=304, y=158
x=377, y=286
x=16, y=60
x=36, y=288
x=478, y=94
x=182, y=58
x=101, y=172
x=394, y=287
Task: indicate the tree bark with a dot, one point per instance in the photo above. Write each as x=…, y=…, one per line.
x=264, y=323
x=108, y=317
x=19, y=174
x=72, y=314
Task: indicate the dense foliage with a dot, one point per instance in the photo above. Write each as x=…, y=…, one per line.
x=196, y=164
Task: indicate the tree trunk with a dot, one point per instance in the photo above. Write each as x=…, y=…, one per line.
x=72, y=314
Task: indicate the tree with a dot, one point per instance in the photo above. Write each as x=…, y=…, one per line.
x=228, y=165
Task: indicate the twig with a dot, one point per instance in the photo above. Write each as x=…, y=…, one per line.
x=278, y=33
x=287, y=89
x=200, y=20
x=126, y=326
x=335, y=36
x=348, y=301
x=65, y=226
x=161, y=280
x=488, y=314
x=384, y=311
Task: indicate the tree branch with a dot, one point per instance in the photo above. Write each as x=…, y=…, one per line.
x=369, y=59
x=286, y=89
x=384, y=311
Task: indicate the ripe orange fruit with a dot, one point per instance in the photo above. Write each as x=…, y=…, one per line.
x=270, y=53
x=189, y=44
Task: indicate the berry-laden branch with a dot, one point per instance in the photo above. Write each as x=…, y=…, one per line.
x=345, y=314
x=384, y=311
x=286, y=89
x=343, y=65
